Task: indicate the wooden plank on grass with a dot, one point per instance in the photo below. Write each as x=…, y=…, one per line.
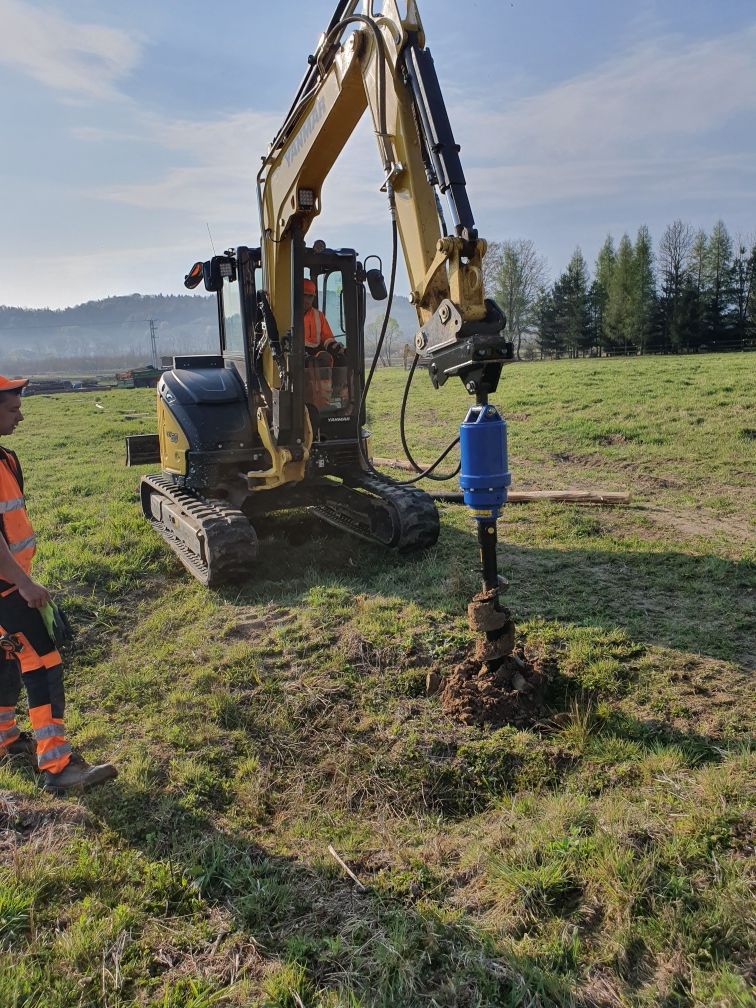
x=523, y=496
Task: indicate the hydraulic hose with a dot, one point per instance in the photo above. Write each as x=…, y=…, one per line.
x=402, y=433
x=422, y=473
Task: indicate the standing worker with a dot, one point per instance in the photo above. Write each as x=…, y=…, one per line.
x=27, y=651
x=323, y=350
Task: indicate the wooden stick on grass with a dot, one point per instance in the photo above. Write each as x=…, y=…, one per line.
x=346, y=868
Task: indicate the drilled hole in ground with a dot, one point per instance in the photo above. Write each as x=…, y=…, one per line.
x=511, y=691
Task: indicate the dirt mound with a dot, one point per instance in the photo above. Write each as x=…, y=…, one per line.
x=509, y=692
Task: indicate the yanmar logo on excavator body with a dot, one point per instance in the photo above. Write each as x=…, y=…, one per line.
x=306, y=131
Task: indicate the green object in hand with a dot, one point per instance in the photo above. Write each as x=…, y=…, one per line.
x=47, y=612
x=56, y=623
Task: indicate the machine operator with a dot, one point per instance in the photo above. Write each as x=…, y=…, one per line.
x=323, y=351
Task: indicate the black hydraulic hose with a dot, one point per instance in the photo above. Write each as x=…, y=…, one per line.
x=402, y=413
x=447, y=497
x=376, y=356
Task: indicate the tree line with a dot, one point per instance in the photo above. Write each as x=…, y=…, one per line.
x=696, y=292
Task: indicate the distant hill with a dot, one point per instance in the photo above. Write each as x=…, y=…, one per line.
x=116, y=327
x=116, y=331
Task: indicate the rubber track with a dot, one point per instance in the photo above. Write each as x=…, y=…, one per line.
x=413, y=514
x=230, y=540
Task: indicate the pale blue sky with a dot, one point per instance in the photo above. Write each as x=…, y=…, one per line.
x=129, y=128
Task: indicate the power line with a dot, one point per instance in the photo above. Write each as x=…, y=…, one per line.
x=153, y=340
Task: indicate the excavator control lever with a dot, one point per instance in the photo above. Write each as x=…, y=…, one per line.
x=484, y=478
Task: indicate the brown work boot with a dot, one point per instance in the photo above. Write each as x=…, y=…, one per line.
x=77, y=775
x=22, y=748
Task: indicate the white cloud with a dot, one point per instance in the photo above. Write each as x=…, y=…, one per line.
x=645, y=120
x=641, y=123
x=119, y=271
x=530, y=183
x=75, y=60
x=221, y=158
x=212, y=180
x=640, y=128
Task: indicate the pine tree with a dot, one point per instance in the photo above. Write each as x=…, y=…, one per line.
x=547, y=333
x=744, y=292
x=718, y=295
x=618, y=317
x=695, y=293
x=572, y=308
x=599, y=293
x=643, y=301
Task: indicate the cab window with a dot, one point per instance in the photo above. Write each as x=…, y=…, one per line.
x=233, y=333
x=331, y=304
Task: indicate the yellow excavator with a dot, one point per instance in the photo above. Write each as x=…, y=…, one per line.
x=255, y=428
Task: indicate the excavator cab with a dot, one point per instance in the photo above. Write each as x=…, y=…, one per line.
x=330, y=384
x=329, y=376
x=334, y=381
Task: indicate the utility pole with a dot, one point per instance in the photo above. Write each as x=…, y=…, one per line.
x=153, y=339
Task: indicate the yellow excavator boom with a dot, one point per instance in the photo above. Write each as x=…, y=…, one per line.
x=376, y=62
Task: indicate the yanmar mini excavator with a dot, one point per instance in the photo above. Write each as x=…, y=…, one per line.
x=250, y=431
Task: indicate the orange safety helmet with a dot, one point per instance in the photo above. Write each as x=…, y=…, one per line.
x=12, y=384
x=309, y=287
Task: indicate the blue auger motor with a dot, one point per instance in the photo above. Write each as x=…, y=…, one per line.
x=484, y=478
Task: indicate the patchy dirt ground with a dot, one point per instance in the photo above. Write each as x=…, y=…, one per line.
x=700, y=523
x=44, y=821
x=249, y=624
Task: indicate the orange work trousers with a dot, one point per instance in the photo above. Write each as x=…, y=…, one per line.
x=28, y=656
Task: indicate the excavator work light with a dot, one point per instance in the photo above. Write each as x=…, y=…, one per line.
x=305, y=199
x=194, y=277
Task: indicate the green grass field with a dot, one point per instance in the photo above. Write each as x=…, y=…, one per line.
x=600, y=858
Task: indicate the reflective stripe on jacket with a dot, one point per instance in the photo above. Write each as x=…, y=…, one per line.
x=14, y=521
x=317, y=331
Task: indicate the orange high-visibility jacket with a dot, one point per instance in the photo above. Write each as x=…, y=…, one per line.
x=318, y=334
x=14, y=521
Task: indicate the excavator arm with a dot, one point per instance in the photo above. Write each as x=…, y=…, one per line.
x=378, y=61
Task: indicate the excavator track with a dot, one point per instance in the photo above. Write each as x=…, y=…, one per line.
x=215, y=542
x=376, y=508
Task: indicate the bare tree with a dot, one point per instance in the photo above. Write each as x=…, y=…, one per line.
x=492, y=265
x=393, y=334
x=516, y=274
x=676, y=261
x=673, y=257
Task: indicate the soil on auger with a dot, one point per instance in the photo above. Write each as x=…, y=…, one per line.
x=496, y=683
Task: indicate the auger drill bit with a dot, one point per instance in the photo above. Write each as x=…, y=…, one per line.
x=484, y=479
